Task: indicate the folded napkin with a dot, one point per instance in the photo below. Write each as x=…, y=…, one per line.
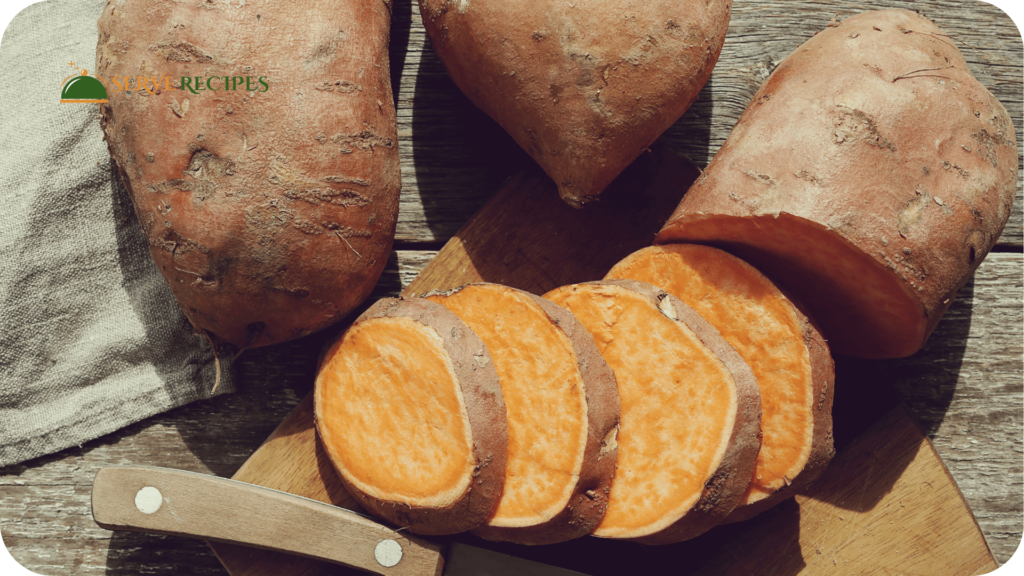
x=91, y=338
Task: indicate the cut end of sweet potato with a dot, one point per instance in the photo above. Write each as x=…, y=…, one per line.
x=869, y=177
x=396, y=399
x=877, y=316
x=788, y=357
x=688, y=432
x=545, y=392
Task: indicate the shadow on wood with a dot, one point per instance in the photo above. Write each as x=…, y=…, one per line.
x=133, y=553
x=526, y=237
x=926, y=381
x=691, y=134
x=398, y=46
x=893, y=508
x=458, y=153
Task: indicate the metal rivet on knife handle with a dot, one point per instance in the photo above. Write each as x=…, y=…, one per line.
x=388, y=553
x=148, y=500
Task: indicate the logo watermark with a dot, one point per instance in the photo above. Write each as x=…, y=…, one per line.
x=82, y=88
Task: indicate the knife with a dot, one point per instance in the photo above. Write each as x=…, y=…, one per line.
x=180, y=503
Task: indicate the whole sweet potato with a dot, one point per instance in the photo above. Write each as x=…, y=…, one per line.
x=258, y=142
x=869, y=176
x=584, y=88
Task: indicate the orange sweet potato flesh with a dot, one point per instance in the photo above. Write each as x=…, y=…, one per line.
x=562, y=403
x=790, y=359
x=582, y=89
x=270, y=210
x=689, y=429
x=410, y=413
x=869, y=177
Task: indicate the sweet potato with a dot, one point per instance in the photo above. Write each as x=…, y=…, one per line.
x=689, y=431
x=410, y=413
x=869, y=176
x=790, y=359
x=268, y=195
x=563, y=410
x=583, y=89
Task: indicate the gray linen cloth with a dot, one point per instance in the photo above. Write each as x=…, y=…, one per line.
x=91, y=338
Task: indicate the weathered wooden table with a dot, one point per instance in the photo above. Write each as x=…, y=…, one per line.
x=964, y=389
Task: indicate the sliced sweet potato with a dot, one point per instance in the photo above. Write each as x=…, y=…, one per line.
x=563, y=410
x=410, y=413
x=689, y=429
x=869, y=177
x=790, y=359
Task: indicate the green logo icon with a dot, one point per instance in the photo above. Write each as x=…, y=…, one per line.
x=83, y=89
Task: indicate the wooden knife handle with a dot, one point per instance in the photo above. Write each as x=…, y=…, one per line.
x=179, y=503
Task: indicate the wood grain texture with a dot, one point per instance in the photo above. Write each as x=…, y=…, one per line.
x=560, y=246
x=965, y=390
x=194, y=505
x=453, y=160
x=873, y=491
x=494, y=248
x=44, y=503
x=525, y=237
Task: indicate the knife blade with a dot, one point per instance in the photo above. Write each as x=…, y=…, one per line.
x=182, y=503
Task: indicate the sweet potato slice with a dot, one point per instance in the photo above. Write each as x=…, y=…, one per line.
x=410, y=413
x=869, y=177
x=790, y=359
x=563, y=410
x=689, y=429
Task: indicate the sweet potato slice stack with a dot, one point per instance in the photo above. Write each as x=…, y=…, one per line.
x=411, y=415
x=689, y=429
x=563, y=409
x=788, y=356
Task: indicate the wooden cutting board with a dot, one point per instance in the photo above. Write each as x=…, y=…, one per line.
x=885, y=504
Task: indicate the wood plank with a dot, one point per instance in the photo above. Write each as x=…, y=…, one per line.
x=44, y=504
x=453, y=159
x=45, y=512
x=965, y=390
x=495, y=246
x=557, y=245
x=454, y=156
x=872, y=489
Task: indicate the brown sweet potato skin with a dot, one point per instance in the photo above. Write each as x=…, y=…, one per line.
x=875, y=139
x=590, y=497
x=270, y=212
x=724, y=489
x=583, y=89
x=484, y=406
x=747, y=309
x=823, y=375
x=727, y=484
